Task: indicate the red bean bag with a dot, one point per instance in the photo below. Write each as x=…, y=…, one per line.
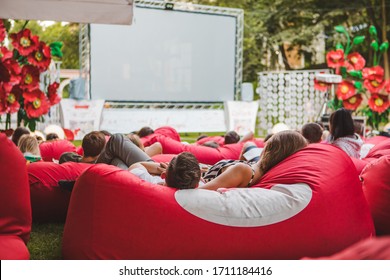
x=167, y=131
x=376, y=248
x=218, y=139
x=204, y=154
x=359, y=164
x=54, y=149
x=380, y=149
x=376, y=187
x=376, y=139
x=301, y=208
x=49, y=203
x=15, y=209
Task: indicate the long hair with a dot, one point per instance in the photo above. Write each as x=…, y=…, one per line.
x=29, y=144
x=280, y=146
x=341, y=124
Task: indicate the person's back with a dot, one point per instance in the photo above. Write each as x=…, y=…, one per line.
x=342, y=133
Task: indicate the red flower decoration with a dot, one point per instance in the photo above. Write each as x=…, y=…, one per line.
x=29, y=78
x=353, y=102
x=379, y=103
x=335, y=58
x=40, y=57
x=9, y=96
x=54, y=98
x=36, y=103
x=375, y=72
x=374, y=86
x=2, y=31
x=11, y=65
x=373, y=79
x=387, y=86
x=321, y=86
x=356, y=60
x=345, y=90
x=24, y=42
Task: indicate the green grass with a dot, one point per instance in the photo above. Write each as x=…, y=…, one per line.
x=45, y=241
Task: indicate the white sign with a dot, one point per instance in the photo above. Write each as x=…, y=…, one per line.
x=81, y=116
x=241, y=116
x=183, y=120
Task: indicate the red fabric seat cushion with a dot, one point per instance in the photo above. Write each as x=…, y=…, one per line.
x=380, y=149
x=376, y=248
x=49, y=203
x=54, y=149
x=13, y=248
x=376, y=187
x=359, y=164
x=123, y=217
x=15, y=207
x=218, y=139
x=376, y=139
x=166, y=131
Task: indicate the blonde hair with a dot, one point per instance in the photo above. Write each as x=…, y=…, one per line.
x=280, y=146
x=29, y=144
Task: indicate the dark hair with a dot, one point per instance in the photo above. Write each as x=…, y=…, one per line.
x=267, y=137
x=52, y=136
x=18, y=133
x=341, y=124
x=145, y=131
x=93, y=143
x=312, y=132
x=231, y=137
x=106, y=133
x=183, y=172
x=280, y=146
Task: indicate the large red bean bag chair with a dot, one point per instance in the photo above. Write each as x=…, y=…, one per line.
x=220, y=140
x=301, y=208
x=15, y=209
x=204, y=154
x=376, y=248
x=49, y=202
x=166, y=131
x=54, y=149
x=380, y=149
x=376, y=139
x=376, y=187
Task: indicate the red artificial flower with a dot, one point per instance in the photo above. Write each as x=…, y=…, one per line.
x=54, y=98
x=11, y=65
x=29, y=77
x=24, y=42
x=379, y=103
x=387, y=86
x=335, y=58
x=36, y=103
x=353, y=102
x=321, y=86
x=345, y=90
x=40, y=57
x=356, y=60
x=9, y=96
x=373, y=79
x=2, y=30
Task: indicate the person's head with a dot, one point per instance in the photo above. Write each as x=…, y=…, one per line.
x=29, y=144
x=341, y=124
x=183, y=172
x=52, y=137
x=106, y=133
x=145, y=131
x=312, y=132
x=136, y=140
x=93, y=143
x=280, y=146
x=267, y=137
x=231, y=137
x=18, y=133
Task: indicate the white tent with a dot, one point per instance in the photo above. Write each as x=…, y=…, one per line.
x=83, y=11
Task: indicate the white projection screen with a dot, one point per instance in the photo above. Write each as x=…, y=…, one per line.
x=164, y=56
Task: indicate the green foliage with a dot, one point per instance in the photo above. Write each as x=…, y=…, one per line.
x=45, y=241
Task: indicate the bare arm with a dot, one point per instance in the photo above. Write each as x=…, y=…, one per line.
x=234, y=176
x=152, y=167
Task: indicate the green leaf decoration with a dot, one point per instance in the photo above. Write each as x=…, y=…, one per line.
x=56, y=49
x=358, y=40
x=358, y=85
x=356, y=74
x=339, y=46
x=343, y=71
x=372, y=30
x=384, y=46
x=340, y=29
x=375, y=45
